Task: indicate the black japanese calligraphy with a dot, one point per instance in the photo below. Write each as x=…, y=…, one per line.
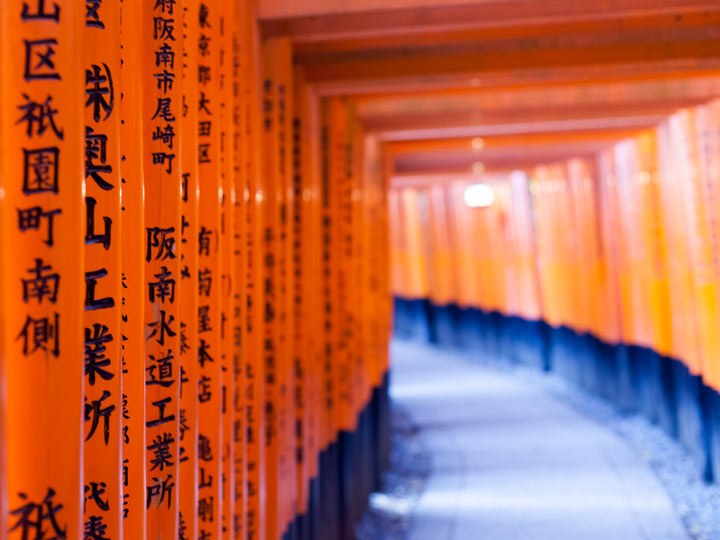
x=159, y=490
x=163, y=241
x=160, y=370
x=38, y=520
x=30, y=219
x=39, y=64
x=161, y=327
x=41, y=284
x=165, y=56
x=94, y=412
x=203, y=353
x=163, y=28
x=38, y=117
x=42, y=333
x=95, y=529
x=99, y=91
x=92, y=303
x=95, y=360
x=90, y=236
x=96, y=158
x=40, y=12
x=94, y=492
x=92, y=14
x=162, y=418
x=160, y=448
x=163, y=288
x=40, y=170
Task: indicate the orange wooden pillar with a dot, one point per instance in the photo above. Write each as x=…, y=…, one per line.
x=270, y=286
x=102, y=332
x=133, y=273
x=655, y=240
x=210, y=245
x=539, y=188
x=358, y=285
x=340, y=195
x=395, y=241
x=228, y=283
x=583, y=196
x=42, y=285
x=351, y=256
x=3, y=412
x=162, y=112
x=611, y=329
x=312, y=293
x=531, y=308
x=571, y=229
x=477, y=263
x=286, y=407
x=327, y=333
x=631, y=249
x=238, y=142
x=563, y=220
x=443, y=289
x=370, y=164
x=503, y=247
x=706, y=142
x=385, y=293
x=189, y=283
x=302, y=249
x=686, y=219
x=468, y=284
x=378, y=258
x=546, y=250
x=277, y=95
x=255, y=517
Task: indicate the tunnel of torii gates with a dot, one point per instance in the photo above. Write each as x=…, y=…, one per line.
x=207, y=207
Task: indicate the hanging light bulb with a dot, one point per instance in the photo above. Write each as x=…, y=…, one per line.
x=478, y=167
x=479, y=196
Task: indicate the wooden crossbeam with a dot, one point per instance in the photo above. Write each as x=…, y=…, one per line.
x=511, y=54
x=323, y=20
x=518, y=128
x=512, y=140
x=500, y=80
x=501, y=152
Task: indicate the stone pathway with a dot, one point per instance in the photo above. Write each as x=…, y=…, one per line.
x=510, y=462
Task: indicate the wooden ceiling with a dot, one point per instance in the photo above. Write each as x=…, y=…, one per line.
x=537, y=80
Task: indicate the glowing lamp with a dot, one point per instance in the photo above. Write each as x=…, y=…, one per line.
x=479, y=196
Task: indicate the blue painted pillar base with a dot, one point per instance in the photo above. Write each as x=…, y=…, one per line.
x=411, y=319
x=636, y=379
x=444, y=326
x=711, y=406
x=530, y=348
x=691, y=402
x=350, y=469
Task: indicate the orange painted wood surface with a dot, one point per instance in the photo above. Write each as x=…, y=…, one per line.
x=43, y=283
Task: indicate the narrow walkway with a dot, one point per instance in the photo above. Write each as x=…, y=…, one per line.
x=512, y=463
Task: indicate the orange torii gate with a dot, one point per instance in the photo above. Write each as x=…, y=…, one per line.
x=196, y=236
